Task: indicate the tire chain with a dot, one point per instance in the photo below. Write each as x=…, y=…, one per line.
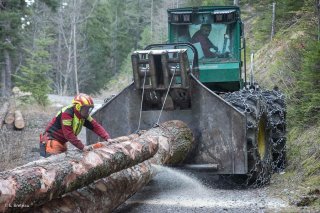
x=245, y=101
x=277, y=121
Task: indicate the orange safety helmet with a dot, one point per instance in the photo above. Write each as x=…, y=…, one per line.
x=82, y=100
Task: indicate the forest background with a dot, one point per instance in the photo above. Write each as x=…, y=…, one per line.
x=67, y=46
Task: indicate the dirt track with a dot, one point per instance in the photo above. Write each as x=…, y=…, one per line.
x=18, y=147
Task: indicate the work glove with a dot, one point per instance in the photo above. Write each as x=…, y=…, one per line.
x=107, y=137
x=97, y=145
x=87, y=148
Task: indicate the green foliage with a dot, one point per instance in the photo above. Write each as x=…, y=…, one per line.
x=287, y=14
x=304, y=155
x=291, y=61
x=10, y=24
x=99, y=47
x=11, y=35
x=262, y=30
x=33, y=76
x=125, y=75
x=113, y=31
x=220, y=2
x=122, y=79
x=53, y=4
x=194, y=3
x=145, y=38
x=308, y=83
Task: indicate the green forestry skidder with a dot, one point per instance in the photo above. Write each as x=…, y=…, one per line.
x=199, y=77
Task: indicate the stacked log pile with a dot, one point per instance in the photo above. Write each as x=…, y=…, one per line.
x=42, y=181
x=10, y=116
x=175, y=141
x=18, y=120
x=9, y=119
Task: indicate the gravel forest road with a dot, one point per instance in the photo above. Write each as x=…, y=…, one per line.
x=173, y=190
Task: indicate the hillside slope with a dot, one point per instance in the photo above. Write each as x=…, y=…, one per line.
x=280, y=63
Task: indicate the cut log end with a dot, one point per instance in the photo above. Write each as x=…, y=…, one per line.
x=9, y=117
x=19, y=121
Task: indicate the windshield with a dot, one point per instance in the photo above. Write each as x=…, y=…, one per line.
x=214, y=42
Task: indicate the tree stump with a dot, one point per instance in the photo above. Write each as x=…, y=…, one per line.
x=9, y=117
x=18, y=120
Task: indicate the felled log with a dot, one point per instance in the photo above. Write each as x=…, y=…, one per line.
x=121, y=139
x=18, y=120
x=175, y=141
x=3, y=112
x=40, y=181
x=9, y=119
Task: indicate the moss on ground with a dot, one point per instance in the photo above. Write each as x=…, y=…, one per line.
x=300, y=183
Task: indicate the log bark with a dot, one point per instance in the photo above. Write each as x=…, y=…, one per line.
x=40, y=181
x=175, y=141
x=18, y=120
x=9, y=117
x=122, y=139
x=3, y=112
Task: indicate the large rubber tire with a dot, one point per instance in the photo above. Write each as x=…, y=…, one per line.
x=259, y=146
x=277, y=121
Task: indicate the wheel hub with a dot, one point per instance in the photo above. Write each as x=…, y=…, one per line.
x=262, y=139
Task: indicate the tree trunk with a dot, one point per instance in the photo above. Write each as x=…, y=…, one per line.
x=3, y=81
x=75, y=64
x=10, y=117
x=273, y=20
x=59, y=81
x=40, y=181
x=3, y=112
x=236, y=2
x=105, y=194
x=7, y=72
x=175, y=141
x=18, y=120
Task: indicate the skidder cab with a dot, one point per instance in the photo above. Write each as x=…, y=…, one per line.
x=216, y=33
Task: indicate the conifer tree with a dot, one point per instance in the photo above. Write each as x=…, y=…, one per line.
x=34, y=74
x=11, y=12
x=309, y=85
